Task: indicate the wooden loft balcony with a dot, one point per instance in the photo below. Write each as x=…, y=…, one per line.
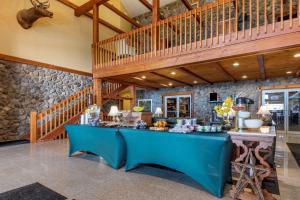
x=214, y=32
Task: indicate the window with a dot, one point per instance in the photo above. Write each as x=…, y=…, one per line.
x=178, y=106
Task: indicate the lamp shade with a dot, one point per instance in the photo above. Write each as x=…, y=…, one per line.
x=114, y=111
x=158, y=111
x=263, y=110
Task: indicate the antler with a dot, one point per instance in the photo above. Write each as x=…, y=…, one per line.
x=37, y=3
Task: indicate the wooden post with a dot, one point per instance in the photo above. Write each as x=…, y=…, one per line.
x=133, y=96
x=155, y=18
x=95, y=23
x=33, y=129
x=98, y=91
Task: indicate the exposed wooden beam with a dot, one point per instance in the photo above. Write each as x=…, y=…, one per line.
x=114, y=80
x=221, y=69
x=121, y=14
x=85, y=8
x=95, y=24
x=147, y=4
x=261, y=66
x=171, y=79
x=195, y=75
x=101, y=21
x=187, y=4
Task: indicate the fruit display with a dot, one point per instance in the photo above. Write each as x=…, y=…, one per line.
x=138, y=109
x=160, y=124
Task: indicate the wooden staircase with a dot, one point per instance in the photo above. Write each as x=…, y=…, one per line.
x=49, y=124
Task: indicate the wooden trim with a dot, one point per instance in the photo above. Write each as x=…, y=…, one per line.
x=275, y=87
x=95, y=23
x=41, y=64
x=90, y=15
x=177, y=93
x=33, y=125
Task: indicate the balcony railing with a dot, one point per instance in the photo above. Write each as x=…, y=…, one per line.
x=222, y=23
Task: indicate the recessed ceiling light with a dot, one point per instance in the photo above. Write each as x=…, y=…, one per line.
x=138, y=78
x=173, y=73
x=170, y=84
x=244, y=77
x=195, y=82
x=144, y=77
x=297, y=55
x=236, y=64
x=164, y=85
x=289, y=72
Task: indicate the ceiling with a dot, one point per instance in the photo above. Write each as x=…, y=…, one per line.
x=135, y=8
x=276, y=64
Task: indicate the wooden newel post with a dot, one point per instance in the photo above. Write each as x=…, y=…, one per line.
x=33, y=128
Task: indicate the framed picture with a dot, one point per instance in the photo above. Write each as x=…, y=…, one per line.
x=146, y=103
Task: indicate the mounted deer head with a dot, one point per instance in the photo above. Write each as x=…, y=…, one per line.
x=27, y=17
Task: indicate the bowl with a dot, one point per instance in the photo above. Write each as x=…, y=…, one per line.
x=253, y=123
x=244, y=114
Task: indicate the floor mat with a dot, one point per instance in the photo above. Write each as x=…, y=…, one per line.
x=35, y=191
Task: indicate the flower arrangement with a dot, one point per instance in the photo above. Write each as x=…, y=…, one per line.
x=225, y=110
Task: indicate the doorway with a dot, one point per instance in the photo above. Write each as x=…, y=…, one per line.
x=284, y=105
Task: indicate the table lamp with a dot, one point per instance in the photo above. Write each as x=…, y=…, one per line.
x=158, y=112
x=114, y=112
x=265, y=113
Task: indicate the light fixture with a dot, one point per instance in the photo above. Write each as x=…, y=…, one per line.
x=158, y=112
x=114, y=112
x=195, y=82
x=170, y=84
x=297, y=55
x=164, y=85
x=289, y=72
x=144, y=77
x=244, y=77
x=138, y=78
x=236, y=64
x=173, y=73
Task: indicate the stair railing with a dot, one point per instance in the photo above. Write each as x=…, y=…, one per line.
x=48, y=124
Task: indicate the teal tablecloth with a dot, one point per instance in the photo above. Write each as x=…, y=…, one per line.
x=104, y=142
x=204, y=157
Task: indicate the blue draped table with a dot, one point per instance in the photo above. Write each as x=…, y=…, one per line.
x=104, y=142
x=203, y=157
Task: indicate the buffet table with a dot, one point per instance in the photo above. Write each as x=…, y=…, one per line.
x=105, y=142
x=204, y=157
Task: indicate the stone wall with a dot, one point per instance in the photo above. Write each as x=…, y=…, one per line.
x=25, y=88
x=201, y=106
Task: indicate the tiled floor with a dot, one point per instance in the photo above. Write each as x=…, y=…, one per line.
x=86, y=177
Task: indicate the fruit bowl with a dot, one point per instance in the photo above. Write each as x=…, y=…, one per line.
x=253, y=123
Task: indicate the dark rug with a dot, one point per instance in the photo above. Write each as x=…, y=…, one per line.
x=35, y=191
x=10, y=143
x=295, y=149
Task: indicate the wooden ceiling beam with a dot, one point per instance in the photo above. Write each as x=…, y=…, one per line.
x=149, y=6
x=85, y=8
x=121, y=14
x=130, y=83
x=221, y=69
x=195, y=75
x=171, y=79
x=101, y=21
x=261, y=66
x=187, y=4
